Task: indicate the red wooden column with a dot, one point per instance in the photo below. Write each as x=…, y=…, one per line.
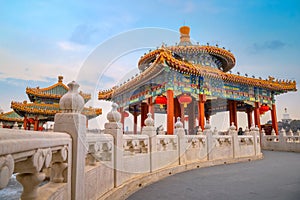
x=233, y=113
x=36, y=124
x=182, y=114
x=249, y=117
x=201, y=110
x=257, y=115
x=177, y=108
x=144, y=112
x=135, y=115
x=25, y=123
x=151, y=107
x=170, y=112
x=87, y=123
x=274, y=119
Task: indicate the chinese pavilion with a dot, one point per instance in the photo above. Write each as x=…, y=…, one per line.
x=196, y=80
x=8, y=119
x=45, y=104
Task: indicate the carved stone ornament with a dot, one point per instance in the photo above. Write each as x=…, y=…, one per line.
x=114, y=115
x=149, y=121
x=178, y=124
x=72, y=101
x=6, y=170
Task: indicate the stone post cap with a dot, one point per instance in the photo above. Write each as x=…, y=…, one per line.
x=114, y=115
x=149, y=121
x=232, y=127
x=252, y=128
x=246, y=130
x=178, y=124
x=273, y=132
x=16, y=125
x=207, y=125
x=256, y=128
x=263, y=132
x=72, y=101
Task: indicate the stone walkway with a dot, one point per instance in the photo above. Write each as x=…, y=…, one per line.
x=276, y=177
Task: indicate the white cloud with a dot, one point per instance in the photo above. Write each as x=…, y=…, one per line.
x=70, y=46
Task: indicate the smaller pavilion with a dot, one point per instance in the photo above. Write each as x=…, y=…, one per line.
x=8, y=119
x=45, y=104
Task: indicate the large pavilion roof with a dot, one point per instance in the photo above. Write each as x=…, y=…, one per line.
x=53, y=92
x=164, y=56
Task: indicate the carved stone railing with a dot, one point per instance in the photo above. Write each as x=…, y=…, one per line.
x=281, y=142
x=100, y=148
x=28, y=154
x=99, y=169
x=135, y=144
x=103, y=163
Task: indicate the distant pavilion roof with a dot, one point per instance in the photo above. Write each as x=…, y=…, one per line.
x=54, y=92
x=11, y=116
x=49, y=109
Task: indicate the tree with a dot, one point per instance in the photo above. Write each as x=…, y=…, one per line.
x=295, y=125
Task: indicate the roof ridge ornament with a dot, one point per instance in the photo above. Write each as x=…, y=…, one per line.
x=60, y=79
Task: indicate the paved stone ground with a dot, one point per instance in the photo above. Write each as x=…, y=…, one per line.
x=276, y=177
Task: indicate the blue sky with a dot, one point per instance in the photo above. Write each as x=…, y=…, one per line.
x=40, y=40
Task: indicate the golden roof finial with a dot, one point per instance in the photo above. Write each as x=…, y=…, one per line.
x=60, y=79
x=184, y=36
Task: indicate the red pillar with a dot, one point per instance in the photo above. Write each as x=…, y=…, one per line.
x=170, y=112
x=257, y=115
x=36, y=124
x=201, y=110
x=274, y=119
x=144, y=112
x=249, y=117
x=25, y=123
x=87, y=123
x=233, y=113
x=182, y=114
x=151, y=107
x=177, y=108
x=135, y=115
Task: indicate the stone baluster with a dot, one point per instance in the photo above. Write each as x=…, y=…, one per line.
x=59, y=166
x=210, y=140
x=149, y=130
x=73, y=122
x=1, y=125
x=114, y=128
x=235, y=144
x=15, y=126
x=257, y=140
x=282, y=138
x=199, y=131
x=6, y=169
x=29, y=172
x=247, y=131
x=179, y=131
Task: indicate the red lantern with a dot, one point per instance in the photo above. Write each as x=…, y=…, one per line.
x=263, y=109
x=185, y=100
x=161, y=100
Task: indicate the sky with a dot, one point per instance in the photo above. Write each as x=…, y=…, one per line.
x=40, y=40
